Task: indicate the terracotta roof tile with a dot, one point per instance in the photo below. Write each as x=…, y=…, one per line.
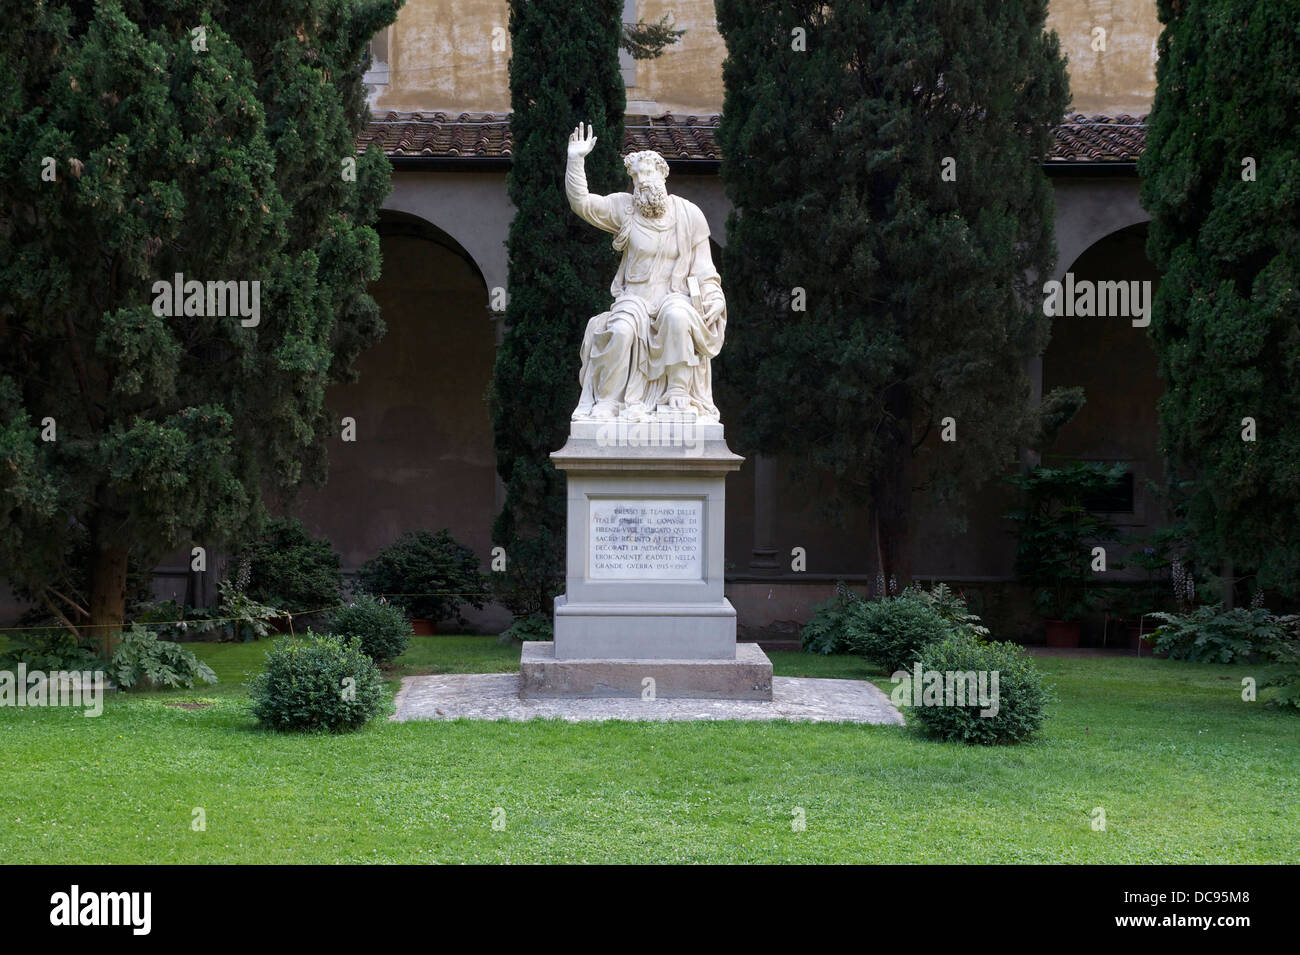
x=1079, y=138
x=483, y=135
x=1099, y=139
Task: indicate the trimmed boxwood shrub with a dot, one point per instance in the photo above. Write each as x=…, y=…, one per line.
x=291, y=570
x=430, y=575
x=891, y=631
x=381, y=627
x=1020, y=699
x=317, y=682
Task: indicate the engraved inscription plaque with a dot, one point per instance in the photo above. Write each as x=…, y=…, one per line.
x=645, y=539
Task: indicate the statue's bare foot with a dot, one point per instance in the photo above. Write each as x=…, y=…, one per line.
x=638, y=413
x=679, y=402
x=604, y=411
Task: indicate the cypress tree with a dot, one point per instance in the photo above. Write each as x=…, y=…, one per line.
x=563, y=70
x=139, y=140
x=890, y=216
x=1221, y=179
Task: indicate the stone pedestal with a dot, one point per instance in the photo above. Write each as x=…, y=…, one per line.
x=645, y=560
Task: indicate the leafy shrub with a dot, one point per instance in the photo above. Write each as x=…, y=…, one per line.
x=826, y=631
x=1285, y=676
x=891, y=631
x=289, y=569
x=1018, y=703
x=141, y=660
x=533, y=627
x=430, y=575
x=832, y=624
x=382, y=628
x=317, y=682
x=48, y=650
x=1210, y=634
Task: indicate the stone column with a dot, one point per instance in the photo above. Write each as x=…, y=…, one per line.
x=763, y=557
x=1034, y=369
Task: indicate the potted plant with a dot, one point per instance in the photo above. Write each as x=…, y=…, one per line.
x=431, y=576
x=1056, y=536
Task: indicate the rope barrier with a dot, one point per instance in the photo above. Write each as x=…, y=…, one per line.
x=213, y=620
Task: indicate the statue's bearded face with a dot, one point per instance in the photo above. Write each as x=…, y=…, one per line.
x=650, y=196
x=648, y=171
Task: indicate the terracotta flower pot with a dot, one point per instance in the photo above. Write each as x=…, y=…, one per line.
x=1062, y=633
x=423, y=628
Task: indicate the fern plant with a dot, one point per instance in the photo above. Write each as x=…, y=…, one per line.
x=826, y=631
x=1210, y=634
x=952, y=607
x=143, y=661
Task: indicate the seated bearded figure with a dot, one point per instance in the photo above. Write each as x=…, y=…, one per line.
x=652, y=349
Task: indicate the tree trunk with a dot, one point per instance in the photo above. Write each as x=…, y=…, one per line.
x=107, y=589
x=891, y=497
x=893, y=493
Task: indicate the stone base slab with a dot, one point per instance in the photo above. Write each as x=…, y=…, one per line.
x=746, y=677
x=635, y=631
x=495, y=696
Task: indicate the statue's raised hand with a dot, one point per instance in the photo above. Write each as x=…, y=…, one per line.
x=581, y=141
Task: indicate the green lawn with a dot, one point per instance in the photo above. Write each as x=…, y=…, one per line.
x=1185, y=771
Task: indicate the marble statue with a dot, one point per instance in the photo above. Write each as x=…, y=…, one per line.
x=649, y=355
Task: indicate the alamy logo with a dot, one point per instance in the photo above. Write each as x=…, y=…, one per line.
x=102, y=908
x=73, y=688
x=621, y=433
x=947, y=688
x=1088, y=299
x=213, y=299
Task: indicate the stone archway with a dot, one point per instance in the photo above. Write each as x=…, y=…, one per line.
x=423, y=456
x=1088, y=210
x=1116, y=365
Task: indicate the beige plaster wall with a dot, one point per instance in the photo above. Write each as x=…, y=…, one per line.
x=1121, y=77
x=687, y=78
x=442, y=57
